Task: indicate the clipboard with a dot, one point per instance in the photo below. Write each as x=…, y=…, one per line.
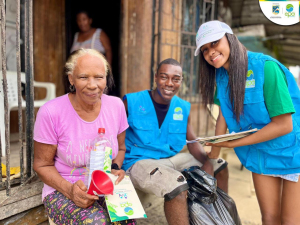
x=223, y=137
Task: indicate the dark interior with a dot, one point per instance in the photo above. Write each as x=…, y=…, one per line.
x=106, y=15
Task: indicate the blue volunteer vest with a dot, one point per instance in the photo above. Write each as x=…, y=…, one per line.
x=144, y=138
x=277, y=156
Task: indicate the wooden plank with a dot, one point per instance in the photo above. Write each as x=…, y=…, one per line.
x=49, y=43
x=236, y=7
x=292, y=42
x=20, y=193
x=20, y=206
x=170, y=37
x=253, y=21
x=136, y=43
x=274, y=29
x=288, y=48
x=36, y=215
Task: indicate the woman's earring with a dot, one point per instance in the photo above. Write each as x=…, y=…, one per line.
x=72, y=88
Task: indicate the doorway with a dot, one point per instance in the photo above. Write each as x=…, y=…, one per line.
x=106, y=15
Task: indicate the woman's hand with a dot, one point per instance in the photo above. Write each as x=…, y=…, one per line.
x=80, y=197
x=120, y=174
x=224, y=144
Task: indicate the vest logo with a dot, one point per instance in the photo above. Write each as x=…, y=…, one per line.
x=289, y=8
x=142, y=109
x=178, y=114
x=250, y=82
x=275, y=9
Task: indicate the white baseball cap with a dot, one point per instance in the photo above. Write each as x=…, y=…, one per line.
x=209, y=32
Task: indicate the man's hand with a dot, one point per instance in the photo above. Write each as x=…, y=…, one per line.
x=120, y=174
x=80, y=197
x=213, y=155
x=208, y=167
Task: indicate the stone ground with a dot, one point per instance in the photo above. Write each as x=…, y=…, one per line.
x=240, y=185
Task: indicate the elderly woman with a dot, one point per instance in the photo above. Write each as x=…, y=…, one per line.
x=63, y=133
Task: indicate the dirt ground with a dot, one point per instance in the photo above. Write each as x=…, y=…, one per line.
x=240, y=185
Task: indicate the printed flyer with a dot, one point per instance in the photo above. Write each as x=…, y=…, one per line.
x=124, y=203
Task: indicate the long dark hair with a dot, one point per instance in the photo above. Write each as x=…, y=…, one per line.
x=237, y=73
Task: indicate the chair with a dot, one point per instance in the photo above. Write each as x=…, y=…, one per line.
x=12, y=94
x=214, y=113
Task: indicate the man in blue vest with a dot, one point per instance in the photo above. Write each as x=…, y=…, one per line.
x=159, y=125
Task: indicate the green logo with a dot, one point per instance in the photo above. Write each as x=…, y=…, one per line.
x=289, y=9
x=128, y=211
x=178, y=114
x=250, y=82
x=178, y=110
x=125, y=204
x=250, y=72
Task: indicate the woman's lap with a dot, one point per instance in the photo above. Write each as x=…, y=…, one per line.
x=62, y=210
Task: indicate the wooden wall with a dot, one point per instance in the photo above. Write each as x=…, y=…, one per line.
x=170, y=27
x=49, y=43
x=136, y=34
x=136, y=44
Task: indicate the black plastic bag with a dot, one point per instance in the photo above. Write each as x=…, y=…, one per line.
x=207, y=204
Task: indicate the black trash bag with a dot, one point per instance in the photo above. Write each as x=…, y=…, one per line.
x=207, y=204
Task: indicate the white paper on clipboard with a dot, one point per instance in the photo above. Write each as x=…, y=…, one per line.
x=223, y=137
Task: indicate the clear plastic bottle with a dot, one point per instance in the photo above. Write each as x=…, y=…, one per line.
x=97, y=156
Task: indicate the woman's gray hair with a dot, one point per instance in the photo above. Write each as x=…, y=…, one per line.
x=73, y=58
x=237, y=73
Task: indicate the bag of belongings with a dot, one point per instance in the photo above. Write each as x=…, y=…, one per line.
x=208, y=204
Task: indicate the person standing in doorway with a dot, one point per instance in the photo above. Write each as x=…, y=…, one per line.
x=90, y=37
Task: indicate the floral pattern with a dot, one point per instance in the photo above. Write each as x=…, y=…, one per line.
x=62, y=210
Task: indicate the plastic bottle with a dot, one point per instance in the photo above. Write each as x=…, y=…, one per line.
x=98, y=156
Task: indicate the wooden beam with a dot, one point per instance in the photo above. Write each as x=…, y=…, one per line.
x=20, y=206
x=36, y=215
x=20, y=193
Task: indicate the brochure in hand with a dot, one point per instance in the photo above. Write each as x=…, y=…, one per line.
x=223, y=137
x=124, y=204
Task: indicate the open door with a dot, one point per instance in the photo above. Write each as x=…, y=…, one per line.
x=106, y=15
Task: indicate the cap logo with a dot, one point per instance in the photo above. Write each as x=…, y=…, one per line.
x=204, y=34
x=205, y=27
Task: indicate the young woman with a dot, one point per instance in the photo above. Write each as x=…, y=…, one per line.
x=255, y=91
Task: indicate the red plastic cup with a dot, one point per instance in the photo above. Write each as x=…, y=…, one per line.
x=101, y=184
